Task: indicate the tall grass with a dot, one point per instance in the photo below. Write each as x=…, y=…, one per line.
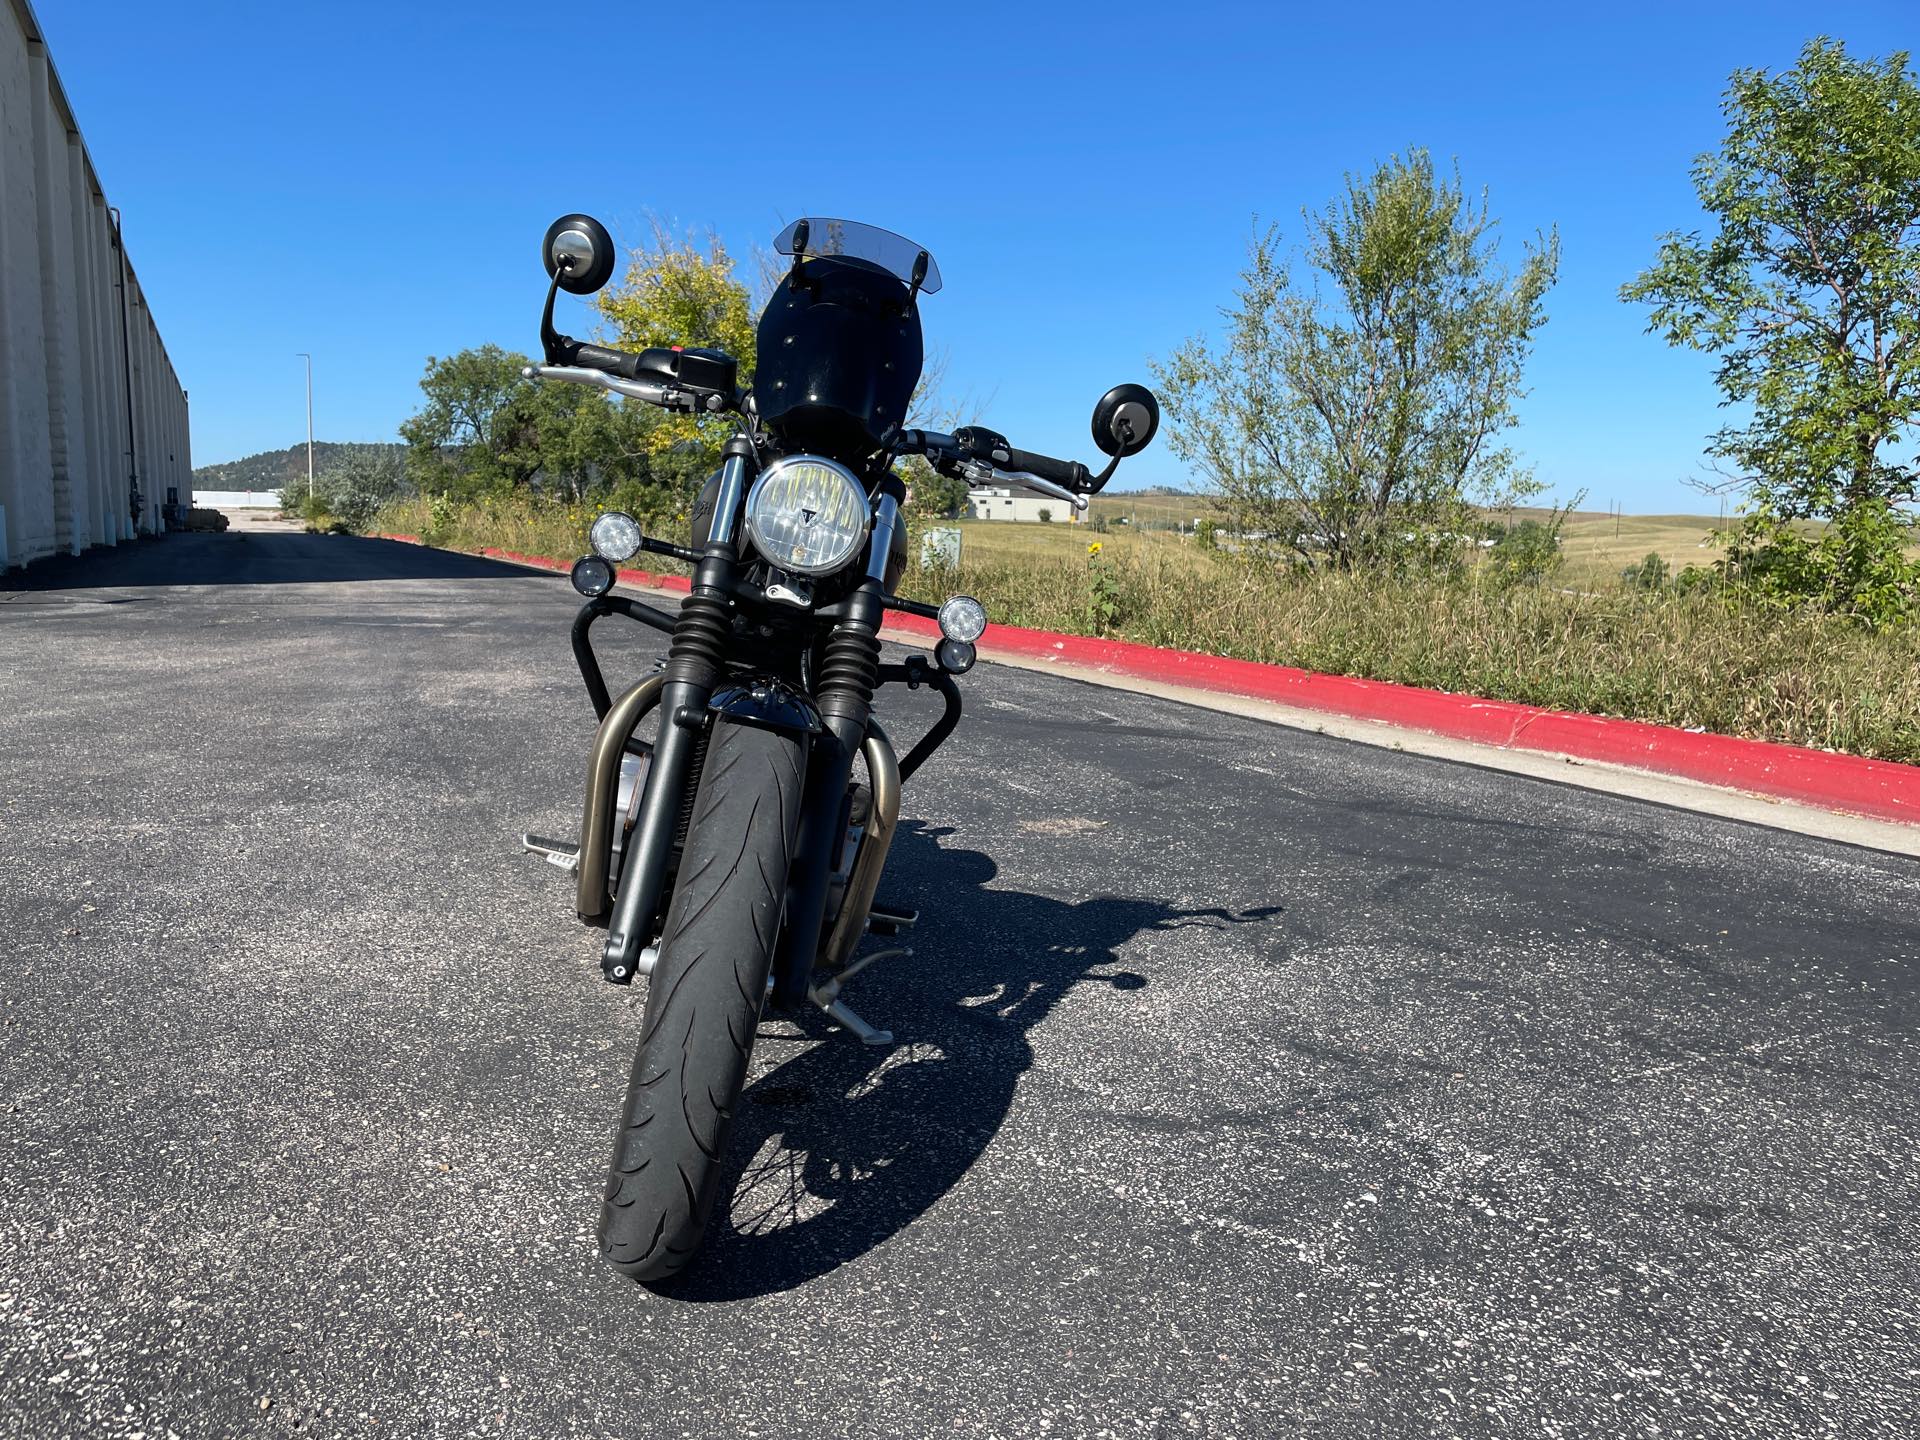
x=1698, y=660
x=1695, y=661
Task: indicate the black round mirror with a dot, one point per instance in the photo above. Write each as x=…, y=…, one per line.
x=1125, y=420
x=579, y=249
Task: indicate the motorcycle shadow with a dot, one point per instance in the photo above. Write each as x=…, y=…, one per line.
x=839, y=1148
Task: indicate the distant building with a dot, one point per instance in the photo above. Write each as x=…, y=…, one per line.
x=999, y=502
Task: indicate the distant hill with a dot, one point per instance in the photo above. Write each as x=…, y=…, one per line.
x=272, y=469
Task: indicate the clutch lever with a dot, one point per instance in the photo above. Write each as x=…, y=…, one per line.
x=977, y=472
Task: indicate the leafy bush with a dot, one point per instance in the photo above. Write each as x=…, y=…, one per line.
x=1858, y=565
x=1652, y=573
x=359, y=481
x=1525, y=555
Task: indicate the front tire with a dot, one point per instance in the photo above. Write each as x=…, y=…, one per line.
x=703, y=1002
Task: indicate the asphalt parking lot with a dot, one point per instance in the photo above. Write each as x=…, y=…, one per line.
x=1250, y=1082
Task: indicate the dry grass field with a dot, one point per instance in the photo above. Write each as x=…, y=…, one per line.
x=1595, y=547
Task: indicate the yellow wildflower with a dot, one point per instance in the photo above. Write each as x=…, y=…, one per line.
x=1093, y=548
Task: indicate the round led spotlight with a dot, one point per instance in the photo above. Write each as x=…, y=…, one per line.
x=963, y=618
x=808, y=515
x=955, y=656
x=591, y=575
x=615, y=536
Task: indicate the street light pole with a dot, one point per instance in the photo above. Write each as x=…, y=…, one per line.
x=309, y=359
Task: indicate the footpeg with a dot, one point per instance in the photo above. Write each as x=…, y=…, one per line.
x=885, y=919
x=563, y=853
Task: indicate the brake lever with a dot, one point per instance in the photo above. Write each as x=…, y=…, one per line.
x=667, y=397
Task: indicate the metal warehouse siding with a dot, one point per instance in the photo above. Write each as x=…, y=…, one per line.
x=66, y=472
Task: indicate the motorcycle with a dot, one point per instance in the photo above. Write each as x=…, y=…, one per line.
x=735, y=857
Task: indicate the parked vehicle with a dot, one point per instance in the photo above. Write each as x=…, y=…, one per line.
x=735, y=858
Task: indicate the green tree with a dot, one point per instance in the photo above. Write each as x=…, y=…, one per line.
x=484, y=430
x=931, y=494
x=677, y=291
x=1808, y=291
x=1345, y=411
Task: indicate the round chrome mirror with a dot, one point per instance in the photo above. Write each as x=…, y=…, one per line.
x=580, y=251
x=1125, y=420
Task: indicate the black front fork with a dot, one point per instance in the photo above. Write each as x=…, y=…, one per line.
x=843, y=690
x=694, y=666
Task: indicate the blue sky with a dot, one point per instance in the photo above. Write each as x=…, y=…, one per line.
x=370, y=182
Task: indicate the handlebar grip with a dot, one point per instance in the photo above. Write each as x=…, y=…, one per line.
x=992, y=447
x=614, y=362
x=1070, y=473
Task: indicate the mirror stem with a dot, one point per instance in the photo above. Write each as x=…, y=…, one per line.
x=560, y=349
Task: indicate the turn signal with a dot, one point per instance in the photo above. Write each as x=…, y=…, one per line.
x=591, y=576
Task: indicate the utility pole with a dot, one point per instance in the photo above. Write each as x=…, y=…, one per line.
x=303, y=355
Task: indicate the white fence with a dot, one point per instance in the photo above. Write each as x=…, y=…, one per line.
x=90, y=406
x=237, y=499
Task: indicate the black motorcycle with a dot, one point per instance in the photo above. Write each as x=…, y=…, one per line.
x=735, y=856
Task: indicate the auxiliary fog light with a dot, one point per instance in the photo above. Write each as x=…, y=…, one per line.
x=963, y=618
x=591, y=575
x=615, y=536
x=955, y=656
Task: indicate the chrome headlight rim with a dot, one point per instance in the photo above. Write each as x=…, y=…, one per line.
x=857, y=535
x=609, y=533
x=962, y=618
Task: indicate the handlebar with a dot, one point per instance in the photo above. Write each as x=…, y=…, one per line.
x=690, y=380
x=983, y=457
x=993, y=448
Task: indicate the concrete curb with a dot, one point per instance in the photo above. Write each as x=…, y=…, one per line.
x=1851, y=784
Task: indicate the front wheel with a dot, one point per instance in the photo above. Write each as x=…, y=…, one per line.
x=703, y=1001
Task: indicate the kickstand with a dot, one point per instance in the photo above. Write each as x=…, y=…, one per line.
x=826, y=994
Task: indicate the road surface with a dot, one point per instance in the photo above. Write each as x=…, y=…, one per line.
x=1251, y=1082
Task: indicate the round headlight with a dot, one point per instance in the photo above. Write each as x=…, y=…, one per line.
x=592, y=575
x=807, y=514
x=963, y=618
x=615, y=536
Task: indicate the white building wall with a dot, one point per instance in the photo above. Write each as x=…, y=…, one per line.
x=1004, y=503
x=67, y=467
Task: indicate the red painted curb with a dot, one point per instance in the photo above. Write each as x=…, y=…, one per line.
x=1883, y=789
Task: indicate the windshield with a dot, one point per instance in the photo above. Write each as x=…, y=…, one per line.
x=895, y=254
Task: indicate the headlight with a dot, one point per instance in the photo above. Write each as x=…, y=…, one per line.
x=615, y=536
x=807, y=514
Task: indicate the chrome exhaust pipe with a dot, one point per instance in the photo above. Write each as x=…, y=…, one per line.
x=603, y=783
x=883, y=813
